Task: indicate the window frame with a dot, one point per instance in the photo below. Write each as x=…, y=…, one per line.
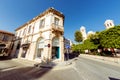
x=42, y=23
x=56, y=21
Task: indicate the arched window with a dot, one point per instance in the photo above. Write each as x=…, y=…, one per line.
x=110, y=24
x=40, y=47
x=55, y=41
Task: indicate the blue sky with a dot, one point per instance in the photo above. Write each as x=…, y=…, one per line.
x=89, y=13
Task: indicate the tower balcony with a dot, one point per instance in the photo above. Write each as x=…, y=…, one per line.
x=57, y=27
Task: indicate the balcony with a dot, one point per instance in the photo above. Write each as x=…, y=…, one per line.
x=57, y=27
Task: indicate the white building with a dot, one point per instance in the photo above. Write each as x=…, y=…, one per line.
x=41, y=39
x=109, y=24
x=90, y=33
x=83, y=31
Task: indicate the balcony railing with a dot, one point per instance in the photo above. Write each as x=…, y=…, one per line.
x=57, y=27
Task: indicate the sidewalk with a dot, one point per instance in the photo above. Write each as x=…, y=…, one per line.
x=57, y=65
x=24, y=62
x=53, y=65
x=109, y=60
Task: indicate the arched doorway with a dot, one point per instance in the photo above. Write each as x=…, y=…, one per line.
x=40, y=48
x=55, y=48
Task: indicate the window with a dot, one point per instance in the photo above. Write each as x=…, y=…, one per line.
x=19, y=33
x=42, y=23
x=110, y=24
x=40, y=47
x=5, y=38
x=24, y=31
x=56, y=21
x=40, y=52
x=1, y=36
x=29, y=29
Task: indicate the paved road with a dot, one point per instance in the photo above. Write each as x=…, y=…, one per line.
x=82, y=69
x=86, y=69
x=95, y=70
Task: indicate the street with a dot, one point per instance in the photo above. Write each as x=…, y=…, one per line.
x=80, y=69
x=95, y=70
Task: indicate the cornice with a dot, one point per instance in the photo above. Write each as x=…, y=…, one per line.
x=52, y=10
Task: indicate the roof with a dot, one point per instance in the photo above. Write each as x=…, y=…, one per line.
x=108, y=21
x=41, y=15
x=6, y=32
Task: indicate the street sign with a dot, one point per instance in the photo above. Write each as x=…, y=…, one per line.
x=67, y=46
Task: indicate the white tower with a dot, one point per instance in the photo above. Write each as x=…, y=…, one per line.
x=83, y=31
x=109, y=24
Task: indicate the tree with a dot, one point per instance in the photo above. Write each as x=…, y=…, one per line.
x=78, y=36
x=88, y=44
x=110, y=38
x=77, y=47
x=95, y=38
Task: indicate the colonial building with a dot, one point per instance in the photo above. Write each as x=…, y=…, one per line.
x=6, y=43
x=109, y=24
x=41, y=39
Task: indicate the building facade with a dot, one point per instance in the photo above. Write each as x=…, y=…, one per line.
x=109, y=24
x=83, y=31
x=6, y=43
x=41, y=39
x=90, y=33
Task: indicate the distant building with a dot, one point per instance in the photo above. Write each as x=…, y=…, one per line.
x=90, y=33
x=83, y=31
x=41, y=39
x=6, y=43
x=67, y=44
x=109, y=24
x=84, y=34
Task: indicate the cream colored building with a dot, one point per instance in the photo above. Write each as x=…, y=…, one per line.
x=83, y=31
x=109, y=24
x=41, y=39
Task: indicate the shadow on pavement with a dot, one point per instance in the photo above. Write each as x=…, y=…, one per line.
x=2, y=58
x=111, y=78
x=24, y=73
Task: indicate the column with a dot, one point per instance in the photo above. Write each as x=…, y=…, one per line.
x=61, y=48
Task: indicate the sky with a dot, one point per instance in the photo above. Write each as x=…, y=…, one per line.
x=89, y=13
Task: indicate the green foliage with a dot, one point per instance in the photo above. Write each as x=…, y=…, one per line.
x=78, y=36
x=95, y=38
x=110, y=38
x=88, y=44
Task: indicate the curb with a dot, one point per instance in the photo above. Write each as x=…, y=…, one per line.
x=63, y=67
x=113, y=61
x=59, y=66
